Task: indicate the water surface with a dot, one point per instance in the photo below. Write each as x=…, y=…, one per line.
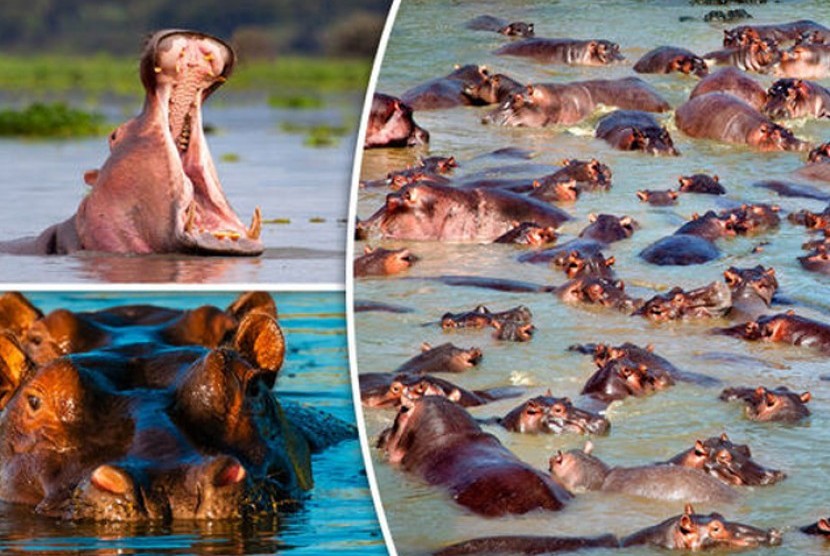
x=428, y=39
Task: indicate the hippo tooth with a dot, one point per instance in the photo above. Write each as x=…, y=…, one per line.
x=255, y=229
x=226, y=234
x=157, y=69
x=191, y=218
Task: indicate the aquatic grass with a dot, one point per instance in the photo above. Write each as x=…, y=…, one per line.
x=229, y=157
x=317, y=135
x=50, y=120
x=296, y=102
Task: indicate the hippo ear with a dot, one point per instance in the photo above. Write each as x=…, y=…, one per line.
x=15, y=366
x=17, y=314
x=823, y=525
x=770, y=398
x=455, y=395
x=592, y=217
x=593, y=47
x=548, y=393
x=368, y=249
x=805, y=397
x=673, y=194
x=425, y=347
x=536, y=184
x=250, y=301
x=642, y=195
x=732, y=278
x=700, y=448
x=724, y=437
x=259, y=340
x=688, y=509
x=589, y=447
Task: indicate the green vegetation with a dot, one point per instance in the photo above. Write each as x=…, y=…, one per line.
x=277, y=221
x=99, y=74
x=318, y=135
x=229, y=157
x=317, y=220
x=295, y=102
x=50, y=120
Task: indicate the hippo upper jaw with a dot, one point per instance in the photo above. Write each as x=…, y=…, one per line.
x=159, y=191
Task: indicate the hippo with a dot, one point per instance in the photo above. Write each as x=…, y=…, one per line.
x=559, y=255
x=752, y=290
x=446, y=358
x=805, y=61
x=811, y=220
x=669, y=59
x=596, y=290
x=578, y=265
x=383, y=262
x=440, y=443
x=777, y=32
x=555, y=191
x=390, y=389
x=658, y=198
x=711, y=301
x=817, y=260
x=797, y=98
x=607, y=228
x=158, y=192
x=786, y=328
x=727, y=16
x=765, y=405
x=193, y=428
x=442, y=213
x=491, y=23
x=636, y=355
x=745, y=124
x=730, y=463
x=620, y=378
x=757, y=56
x=492, y=89
x=588, y=175
x=551, y=415
x=527, y=544
x=447, y=91
x=580, y=470
x=701, y=183
x=680, y=249
x=591, y=52
x=528, y=233
x=693, y=532
x=391, y=124
x=735, y=82
x=634, y=130
x=820, y=527
x=545, y=104
x=786, y=188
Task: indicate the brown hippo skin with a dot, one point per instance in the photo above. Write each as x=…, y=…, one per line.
x=736, y=122
x=668, y=59
x=797, y=98
x=634, y=130
x=787, y=328
x=158, y=192
x=765, y=405
x=383, y=262
x=391, y=124
x=443, y=213
x=592, y=52
x=442, y=444
x=691, y=531
x=580, y=470
x=192, y=432
x=547, y=414
x=734, y=82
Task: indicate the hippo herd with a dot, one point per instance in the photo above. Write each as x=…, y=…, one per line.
x=141, y=413
x=441, y=435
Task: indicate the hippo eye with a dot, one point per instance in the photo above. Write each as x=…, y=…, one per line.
x=724, y=457
x=395, y=388
x=34, y=402
x=558, y=409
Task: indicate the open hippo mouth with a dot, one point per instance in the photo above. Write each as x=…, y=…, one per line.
x=159, y=191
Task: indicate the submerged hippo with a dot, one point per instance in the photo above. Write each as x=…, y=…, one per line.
x=730, y=463
x=710, y=301
x=736, y=122
x=633, y=130
x=383, y=262
x=551, y=415
x=701, y=183
x=491, y=23
x=805, y=61
x=192, y=431
x=735, y=82
x=592, y=52
x=787, y=328
x=580, y=470
x=658, y=198
x=693, y=532
x=776, y=32
x=392, y=389
x=763, y=404
x=526, y=544
x=391, y=124
x=158, y=192
x=447, y=91
x=620, y=378
x=443, y=445
x=669, y=59
x=752, y=290
x=757, y=56
x=443, y=213
x=446, y=358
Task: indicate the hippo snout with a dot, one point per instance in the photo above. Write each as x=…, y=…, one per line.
x=774, y=537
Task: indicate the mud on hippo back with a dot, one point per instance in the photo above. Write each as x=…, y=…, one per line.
x=158, y=192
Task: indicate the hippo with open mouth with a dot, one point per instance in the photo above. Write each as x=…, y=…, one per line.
x=158, y=192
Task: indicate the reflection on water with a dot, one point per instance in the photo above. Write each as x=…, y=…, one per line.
x=642, y=430
x=302, y=192
x=338, y=516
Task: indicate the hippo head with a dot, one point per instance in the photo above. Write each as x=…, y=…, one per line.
x=752, y=282
x=728, y=462
x=821, y=527
x=620, y=378
x=386, y=262
x=588, y=173
x=788, y=98
x=513, y=331
x=578, y=470
x=454, y=359
x=693, y=531
x=479, y=317
x=656, y=141
x=520, y=110
x=690, y=65
x=658, y=198
x=604, y=52
x=518, y=29
x=577, y=265
x=562, y=416
x=773, y=137
x=819, y=154
x=158, y=192
x=748, y=219
x=777, y=405
x=740, y=36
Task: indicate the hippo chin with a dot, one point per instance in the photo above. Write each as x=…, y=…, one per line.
x=158, y=192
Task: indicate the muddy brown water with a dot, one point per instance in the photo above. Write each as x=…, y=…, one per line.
x=304, y=188
x=423, y=518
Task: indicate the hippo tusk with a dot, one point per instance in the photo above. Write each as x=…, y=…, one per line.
x=255, y=229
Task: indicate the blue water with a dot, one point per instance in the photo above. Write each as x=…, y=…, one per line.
x=337, y=518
